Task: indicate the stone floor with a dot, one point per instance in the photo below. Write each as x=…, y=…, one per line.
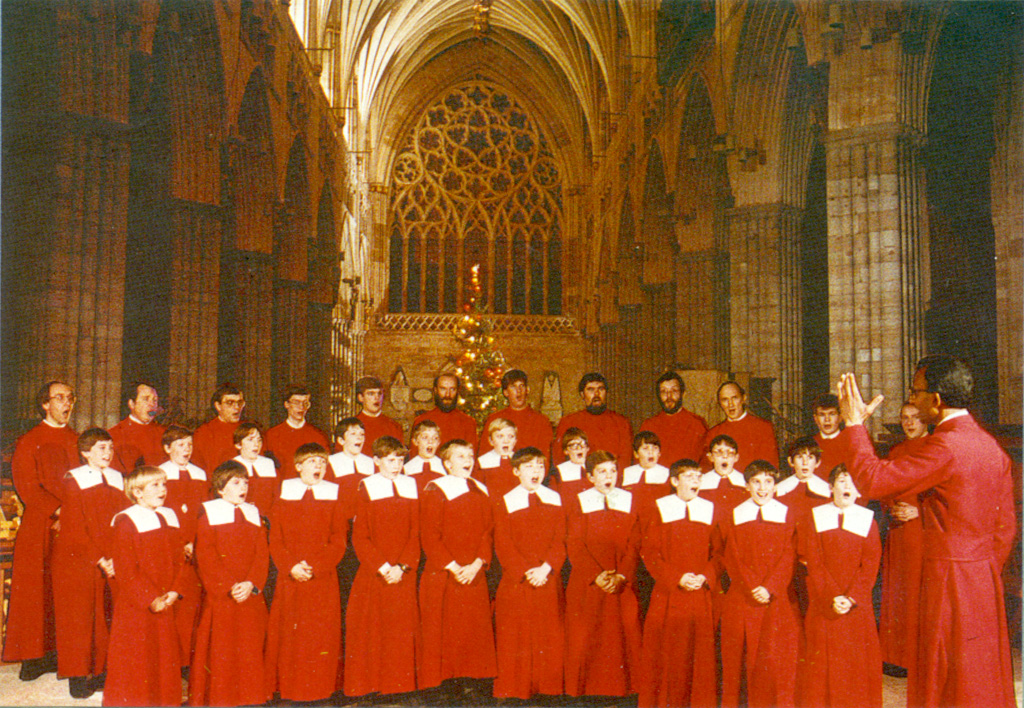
x=48, y=691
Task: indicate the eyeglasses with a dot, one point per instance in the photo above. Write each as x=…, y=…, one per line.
x=61, y=398
x=576, y=445
x=231, y=403
x=299, y=404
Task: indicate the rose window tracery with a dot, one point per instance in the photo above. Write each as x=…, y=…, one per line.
x=475, y=182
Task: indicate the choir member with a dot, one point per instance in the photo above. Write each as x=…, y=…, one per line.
x=755, y=437
x=213, y=440
x=453, y=423
x=288, y=436
x=605, y=429
x=370, y=395
x=495, y=467
x=137, y=438
x=533, y=428
x=680, y=431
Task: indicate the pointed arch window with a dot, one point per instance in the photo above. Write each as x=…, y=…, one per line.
x=476, y=183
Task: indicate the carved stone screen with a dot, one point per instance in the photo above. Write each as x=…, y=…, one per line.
x=475, y=182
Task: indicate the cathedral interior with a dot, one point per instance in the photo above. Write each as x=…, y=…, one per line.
x=267, y=192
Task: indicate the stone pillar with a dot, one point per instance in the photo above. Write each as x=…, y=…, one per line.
x=289, y=341
x=878, y=258
x=1007, y=168
x=701, y=317
x=66, y=148
x=765, y=299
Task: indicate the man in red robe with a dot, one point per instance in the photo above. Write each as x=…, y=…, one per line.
x=533, y=429
x=680, y=431
x=137, y=438
x=454, y=424
x=755, y=436
x=213, y=441
x=829, y=423
x=605, y=429
x=285, y=438
x=41, y=457
x=370, y=394
x=969, y=524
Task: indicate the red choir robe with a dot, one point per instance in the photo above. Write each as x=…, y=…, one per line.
x=377, y=427
x=529, y=531
x=609, y=431
x=725, y=493
x=227, y=666
x=843, y=660
x=569, y=479
x=647, y=486
x=283, y=440
x=348, y=472
x=424, y=471
x=533, y=429
x=678, y=657
x=41, y=457
x=800, y=497
x=969, y=523
x=496, y=473
x=89, y=500
x=382, y=620
x=264, y=484
x=759, y=551
x=304, y=632
x=144, y=659
x=457, y=634
x=187, y=489
x=454, y=425
x=902, y=563
x=212, y=443
x=137, y=443
x=681, y=435
x=833, y=452
x=754, y=436
x=602, y=648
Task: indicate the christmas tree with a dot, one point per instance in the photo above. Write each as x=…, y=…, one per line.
x=479, y=366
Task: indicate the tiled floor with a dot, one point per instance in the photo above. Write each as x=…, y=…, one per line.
x=48, y=691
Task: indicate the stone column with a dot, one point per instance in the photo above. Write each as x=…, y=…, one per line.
x=1007, y=168
x=878, y=258
x=701, y=317
x=289, y=341
x=765, y=299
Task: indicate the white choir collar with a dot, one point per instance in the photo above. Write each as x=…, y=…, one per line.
x=55, y=426
x=833, y=436
x=618, y=500
x=711, y=480
x=653, y=475
x=87, y=477
x=132, y=418
x=569, y=471
x=736, y=420
x=260, y=467
x=519, y=498
x=146, y=519
x=454, y=487
x=221, y=511
x=174, y=472
x=956, y=413
x=292, y=425
x=672, y=508
x=368, y=414
x=344, y=465
x=293, y=489
x=816, y=485
x=856, y=519
x=489, y=460
x=774, y=511
x=417, y=465
x=380, y=487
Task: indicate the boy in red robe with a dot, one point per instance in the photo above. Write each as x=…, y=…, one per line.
x=760, y=625
x=382, y=620
x=231, y=552
x=82, y=562
x=285, y=438
x=264, y=484
x=144, y=667
x=602, y=622
x=187, y=489
x=425, y=466
x=678, y=660
x=495, y=467
x=349, y=465
x=569, y=477
x=843, y=664
x=723, y=484
x=455, y=607
x=529, y=539
x=308, y=532
x=647, y=480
